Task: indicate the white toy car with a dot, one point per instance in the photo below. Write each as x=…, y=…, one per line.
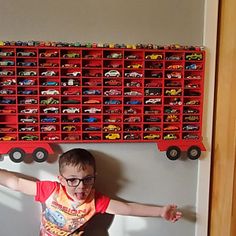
x=50, y=92
x=71, y=110
x=112, y=73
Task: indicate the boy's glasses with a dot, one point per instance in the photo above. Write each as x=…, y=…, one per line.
x=74, y=182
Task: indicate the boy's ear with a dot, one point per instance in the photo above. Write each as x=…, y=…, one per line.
x=61, y=179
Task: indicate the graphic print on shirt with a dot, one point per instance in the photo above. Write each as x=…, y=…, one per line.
x=61, y=217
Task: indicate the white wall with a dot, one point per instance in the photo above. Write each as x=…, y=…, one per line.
x=135, y=172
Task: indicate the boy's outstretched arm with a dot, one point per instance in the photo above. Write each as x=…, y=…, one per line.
x=168, y=212
x=13, y=181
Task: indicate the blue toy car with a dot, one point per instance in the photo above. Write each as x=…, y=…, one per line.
x=134, y=102
x=90, y=119
x=49, y=119
x=50, y=83
x=112, y=102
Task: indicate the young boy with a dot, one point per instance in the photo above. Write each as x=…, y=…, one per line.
x=68, y=204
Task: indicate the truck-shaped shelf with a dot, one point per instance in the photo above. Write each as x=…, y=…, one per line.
x=96, y=95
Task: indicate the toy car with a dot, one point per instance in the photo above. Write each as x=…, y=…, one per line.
x=74, y=120
x=113, y=83
x=74, y=73
x=27, y=73
x=133, y=74
x=174, y=67
x=48, y=73
x=26, y=54
x=191, y=118
x=194, y=56
x=27, y=92
x=7, y=129
x=133, y=93
x=153, y=56
x=156, y=74
x=92, y=92
x=191, y=127
x=7, y=54
x=29, y=110
x=133, y=84
x=29, y=137
x=171, y=127
x=112, y=92
x=132, y=119
x=50, y=83
x=6, y=72
x=112, y=102
x=133, y=102
x=71, y=55
x=92, y=128
x=112, y=73
x=111, y=128
x=49, y=64
x=7, y=101
x=191, y=136
x=71, y=82
x=28, y=120
x=92, y=101
x=133, y=128
x=48, y=101
x=112, y=136
x=135, y=66
x=8, y=82
x=51, y=110
x=132, y=56
x=132, y=136
x=152, y=136
x=71, y=101
x=51, y=137
x=27, y=82
x=173, y=92
x=7, y=91
x=193, y=67
x=50, y=92
x=49, y=119
x=7, y=138
x=7, y=110
x=93, y=110
x=71, y=110
x=27, y=129
x=90, y=119
x=29, y=101
x=7, y=63
x=48, y=128
x=152, y=128
x=114, y=55
x=72, y=91
x=153, y=101
x=93, y=83
x=49, y=54
x=170, y=136
x=174, y=74
x=69, y=128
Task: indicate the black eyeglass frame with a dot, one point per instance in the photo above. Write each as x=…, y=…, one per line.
x=80, y=180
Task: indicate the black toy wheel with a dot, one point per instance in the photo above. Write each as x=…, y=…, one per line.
x=17, y=155
x=40, y=154
x=194, y=152
x=173, y=153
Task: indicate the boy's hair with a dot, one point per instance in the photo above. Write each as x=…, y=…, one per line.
x=76, y=157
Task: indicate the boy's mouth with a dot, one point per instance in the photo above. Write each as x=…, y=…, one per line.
x=80, y=195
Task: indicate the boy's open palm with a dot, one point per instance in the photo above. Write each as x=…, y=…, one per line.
x=170, y=213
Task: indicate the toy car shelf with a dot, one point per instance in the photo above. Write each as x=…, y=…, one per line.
x=96, y=95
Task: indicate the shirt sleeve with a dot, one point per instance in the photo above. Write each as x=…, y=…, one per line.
x=44, y=190
x=101, y=202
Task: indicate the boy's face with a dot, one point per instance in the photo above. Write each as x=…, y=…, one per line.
x=78, y=181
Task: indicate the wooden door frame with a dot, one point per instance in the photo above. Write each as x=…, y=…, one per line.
x=223, y=177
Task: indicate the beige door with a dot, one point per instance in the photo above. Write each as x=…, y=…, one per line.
x=223, y=192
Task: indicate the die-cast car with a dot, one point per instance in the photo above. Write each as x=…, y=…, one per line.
x=111, y=128
x=90, y=119
x=133, y=74
x=29, y=137
x=28, y=120
x=151, y=136
x=49, y=54
x=48, y=119
x=114, y=55
x=50, y=83
x=7, y=63
x=93, y=110
x=29, y=110
x=27, y=73
x=92, y=92
x=153, y=56
x=112, y=136
x=7, y=54
x=27, y=63
x=74, y=73
x=71, y=55
x=51, y=110
x=26, y=54
x=48, y=73
x=71, y=110
x=27, y=82
x=6, y=72
x=153, y=101
x=112, y=73
x=50, y=92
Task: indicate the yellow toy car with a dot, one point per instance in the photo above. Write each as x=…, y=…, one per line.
x=112, y=136
x=154, y=56
x=7, y=138
x=111, y=128
x=152, y=136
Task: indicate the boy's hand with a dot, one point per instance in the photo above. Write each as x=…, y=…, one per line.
x=170, y=213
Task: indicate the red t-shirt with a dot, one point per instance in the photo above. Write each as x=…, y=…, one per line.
x=60, y=216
